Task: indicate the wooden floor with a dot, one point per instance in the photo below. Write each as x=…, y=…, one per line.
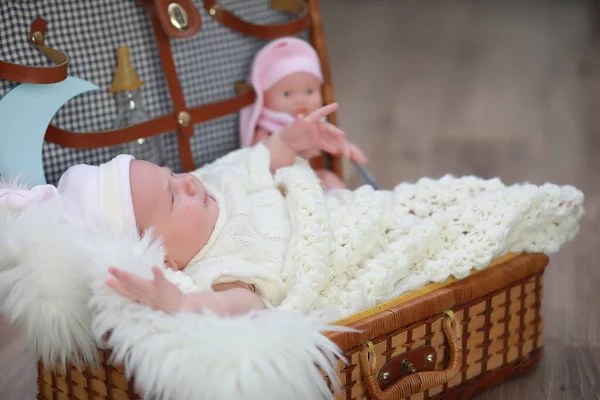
x=506, y=88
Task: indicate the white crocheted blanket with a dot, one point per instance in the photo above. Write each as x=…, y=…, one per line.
x=347, y=252
x=354, y=249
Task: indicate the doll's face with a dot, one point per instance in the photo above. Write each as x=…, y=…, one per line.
x=298, y=93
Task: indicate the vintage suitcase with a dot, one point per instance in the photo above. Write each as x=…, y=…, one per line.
x=193, y=76
x=447, y=340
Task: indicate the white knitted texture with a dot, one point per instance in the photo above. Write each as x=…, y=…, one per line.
x=240, y=237
x=355, y=249
x=249, y=241
x=312, y=239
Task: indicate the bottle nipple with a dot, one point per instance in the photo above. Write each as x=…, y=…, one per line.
x=125, y=78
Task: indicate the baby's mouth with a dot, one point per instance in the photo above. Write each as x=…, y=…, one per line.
x=206, y=197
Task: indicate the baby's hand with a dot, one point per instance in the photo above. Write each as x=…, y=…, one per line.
x=307, y=134
x=157, y=293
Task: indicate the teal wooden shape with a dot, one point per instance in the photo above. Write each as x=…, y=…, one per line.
x=25, y=113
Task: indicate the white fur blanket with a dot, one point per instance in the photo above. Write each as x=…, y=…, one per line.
x=52, y=274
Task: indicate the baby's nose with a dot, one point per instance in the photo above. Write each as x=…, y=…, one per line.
x=189, y=184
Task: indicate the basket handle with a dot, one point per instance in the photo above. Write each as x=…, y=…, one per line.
x=418, y=381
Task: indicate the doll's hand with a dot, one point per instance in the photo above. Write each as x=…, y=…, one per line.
x=158, y=293
x=307, y=134
x=19, y=199
x=352, y=152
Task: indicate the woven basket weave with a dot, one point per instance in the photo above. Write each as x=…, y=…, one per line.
x=497, y=323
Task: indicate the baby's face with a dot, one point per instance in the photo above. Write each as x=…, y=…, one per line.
x=298, y=93
x=176, y=206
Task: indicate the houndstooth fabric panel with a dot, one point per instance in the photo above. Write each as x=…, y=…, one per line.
x=90, y=31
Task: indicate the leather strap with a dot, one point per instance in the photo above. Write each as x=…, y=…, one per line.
x=90, y=140
x=235, y=23
x=179, y=19
x=317, y=37
x=37, y=74
x=216, y=110
x=185, y=129
x=150, y=128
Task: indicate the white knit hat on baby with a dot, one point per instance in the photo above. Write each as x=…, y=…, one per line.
x=100, y=194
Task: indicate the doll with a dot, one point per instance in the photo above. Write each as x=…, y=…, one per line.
x=287, y=77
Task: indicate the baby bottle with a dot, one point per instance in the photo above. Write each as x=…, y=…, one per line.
x=130, y=110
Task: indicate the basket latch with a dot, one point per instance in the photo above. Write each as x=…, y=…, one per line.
x=417, y=360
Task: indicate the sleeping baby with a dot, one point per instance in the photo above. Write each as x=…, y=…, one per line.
x=227, y=220
x=256, y=228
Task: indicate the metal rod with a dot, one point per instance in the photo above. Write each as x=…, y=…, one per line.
x=366, y=175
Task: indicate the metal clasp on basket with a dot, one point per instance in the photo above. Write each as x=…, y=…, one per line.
x=407, y=367
x=414, y=371
x=178, y=16
x=420, y=359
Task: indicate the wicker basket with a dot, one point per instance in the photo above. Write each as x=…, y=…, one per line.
x=447, y=341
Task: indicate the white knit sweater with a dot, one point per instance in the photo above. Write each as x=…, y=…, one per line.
x=250, y=239
x=305, y=249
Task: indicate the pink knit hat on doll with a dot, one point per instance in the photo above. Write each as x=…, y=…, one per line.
x=100, y=194
x=275, y=61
